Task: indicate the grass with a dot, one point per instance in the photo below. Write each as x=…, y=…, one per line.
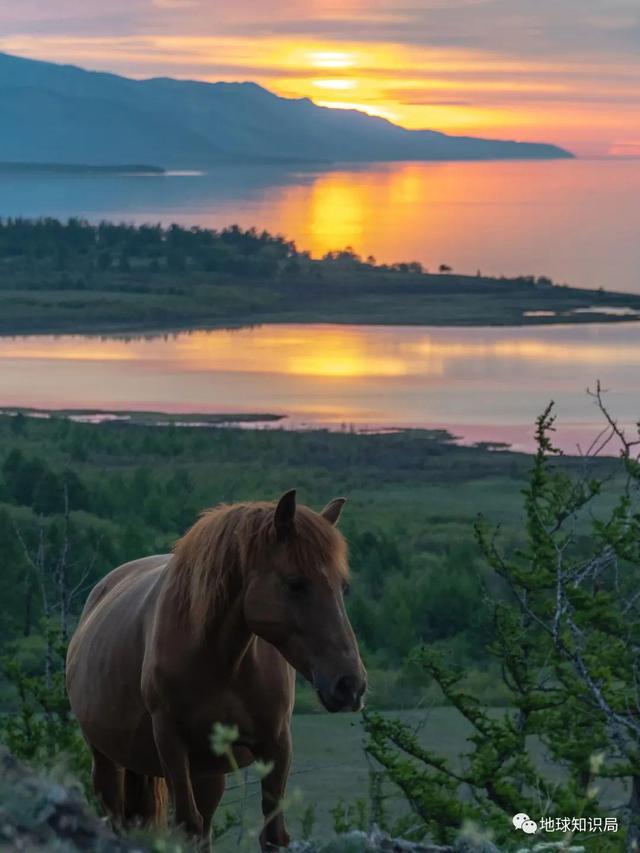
x=201, y=301
x=330, y=765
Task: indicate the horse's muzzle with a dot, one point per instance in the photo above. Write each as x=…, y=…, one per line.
x=345, y=693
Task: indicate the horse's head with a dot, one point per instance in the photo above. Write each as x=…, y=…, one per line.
x=295, y=600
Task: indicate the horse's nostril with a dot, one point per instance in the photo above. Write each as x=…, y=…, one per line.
x=344, y=687
x=348, y=690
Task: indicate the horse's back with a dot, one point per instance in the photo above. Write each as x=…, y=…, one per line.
x=106, y=652
x=124, y=575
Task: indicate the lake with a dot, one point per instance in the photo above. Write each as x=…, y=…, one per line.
x=483, y=384
x=574, y=220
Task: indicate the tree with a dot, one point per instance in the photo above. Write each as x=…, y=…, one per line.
x=41, y=729
x=566, y=637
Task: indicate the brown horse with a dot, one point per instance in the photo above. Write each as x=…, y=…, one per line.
x=168, y=645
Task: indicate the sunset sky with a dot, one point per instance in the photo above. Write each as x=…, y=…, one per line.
x=564, y=71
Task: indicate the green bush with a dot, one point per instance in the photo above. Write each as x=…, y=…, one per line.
x=40, y=729
x=566, y=634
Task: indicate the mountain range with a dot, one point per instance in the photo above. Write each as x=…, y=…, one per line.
x=52, y=113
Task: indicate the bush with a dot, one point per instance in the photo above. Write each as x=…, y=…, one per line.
x=566, y=637
x=41, y=730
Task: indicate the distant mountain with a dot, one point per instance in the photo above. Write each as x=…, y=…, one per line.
x=62, y=114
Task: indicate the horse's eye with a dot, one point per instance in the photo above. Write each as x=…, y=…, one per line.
x=297, y=584
x=346, y=589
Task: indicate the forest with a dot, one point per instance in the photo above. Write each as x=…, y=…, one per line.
x=75, y=276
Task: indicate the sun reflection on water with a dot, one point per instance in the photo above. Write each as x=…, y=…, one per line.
x=334, y=350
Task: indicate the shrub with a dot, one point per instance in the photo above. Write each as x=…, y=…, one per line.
x=566, y=635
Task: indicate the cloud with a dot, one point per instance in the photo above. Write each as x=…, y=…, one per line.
x=175, y=4
x=510, y=27
x=549, y=28
x=35, y=18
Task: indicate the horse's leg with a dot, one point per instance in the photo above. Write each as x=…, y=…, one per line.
x=139, y=799
x=108, y=784
x=208, y=791
x=274, y=784
x=175, y=765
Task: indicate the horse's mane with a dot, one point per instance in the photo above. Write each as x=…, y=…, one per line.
x=228, y=542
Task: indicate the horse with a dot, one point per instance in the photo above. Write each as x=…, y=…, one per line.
x=214, y=632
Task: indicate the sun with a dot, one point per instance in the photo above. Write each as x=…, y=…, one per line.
x=331, y=59
x=337, y=84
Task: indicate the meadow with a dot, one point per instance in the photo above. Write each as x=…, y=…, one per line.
x=330, y=769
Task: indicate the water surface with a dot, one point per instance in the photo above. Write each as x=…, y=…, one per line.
x=480, y=383
x=573, y=220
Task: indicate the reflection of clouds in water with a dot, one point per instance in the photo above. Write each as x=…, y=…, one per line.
x=483, y=383
x=333, y=351
x=530, y=349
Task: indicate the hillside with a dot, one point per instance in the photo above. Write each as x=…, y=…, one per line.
x=63, y=114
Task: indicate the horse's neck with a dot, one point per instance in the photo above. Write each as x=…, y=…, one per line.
x=227, y=639
x=224, y=639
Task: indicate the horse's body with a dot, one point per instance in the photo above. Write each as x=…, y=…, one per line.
x=169, y=645
x=127, y=598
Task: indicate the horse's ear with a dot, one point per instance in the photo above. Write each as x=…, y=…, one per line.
x=284, y=517
x=333, y=509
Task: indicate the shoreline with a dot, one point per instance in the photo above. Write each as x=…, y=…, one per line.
x=157, y=329
x=140, y=417
x=447, y=435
